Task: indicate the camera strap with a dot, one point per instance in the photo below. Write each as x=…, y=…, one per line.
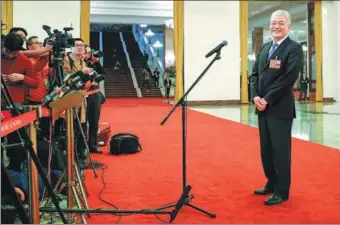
x=72, y=63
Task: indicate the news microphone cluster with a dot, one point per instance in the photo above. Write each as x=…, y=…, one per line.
x=74, y=81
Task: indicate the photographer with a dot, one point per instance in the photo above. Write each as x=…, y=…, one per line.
x=22, y=32
x=94, y=101
x=17, y=69
x=74, y=63
x=40, y=64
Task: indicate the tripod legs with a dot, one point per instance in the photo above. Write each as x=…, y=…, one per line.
x=212, y=215
x=85, y=142
x=186, y=202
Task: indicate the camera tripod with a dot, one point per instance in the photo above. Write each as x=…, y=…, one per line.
x=182, y=102
x=58, y=81
x=26, y=144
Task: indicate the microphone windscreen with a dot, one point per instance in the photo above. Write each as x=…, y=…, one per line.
x=85, y=77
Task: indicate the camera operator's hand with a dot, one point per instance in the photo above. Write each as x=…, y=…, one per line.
x=88, y=84
x=20, y=193
x=5, y=77
x=95, y=59
x=50, y=42
x=15, y=77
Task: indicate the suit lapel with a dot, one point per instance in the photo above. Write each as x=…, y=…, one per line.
x=266, y=50
x=276, y=52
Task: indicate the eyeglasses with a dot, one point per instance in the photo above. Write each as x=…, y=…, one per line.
x=79, y=45
x=37, y=43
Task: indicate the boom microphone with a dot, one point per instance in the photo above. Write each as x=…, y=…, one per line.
x=216, y=49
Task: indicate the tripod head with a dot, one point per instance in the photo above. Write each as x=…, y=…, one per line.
x=62, y=40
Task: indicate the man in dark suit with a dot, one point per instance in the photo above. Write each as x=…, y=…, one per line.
x=304, y=87
x=275, y=72
x=167, y=85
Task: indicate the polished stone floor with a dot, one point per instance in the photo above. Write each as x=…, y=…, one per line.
x=315, y=122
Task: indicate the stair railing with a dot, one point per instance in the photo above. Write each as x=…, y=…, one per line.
x=145, y=46
x=132, y=72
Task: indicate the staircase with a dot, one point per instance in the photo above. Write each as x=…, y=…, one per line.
x=138, y=62
x=118, y=82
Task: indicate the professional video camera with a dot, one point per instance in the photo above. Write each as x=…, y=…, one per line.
x=62, y=39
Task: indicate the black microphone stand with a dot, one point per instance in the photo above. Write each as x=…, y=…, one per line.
x=183, y=103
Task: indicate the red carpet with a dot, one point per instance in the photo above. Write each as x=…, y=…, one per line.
x=223, y=168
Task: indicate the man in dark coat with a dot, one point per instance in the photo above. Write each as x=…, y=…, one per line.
x=275, y=72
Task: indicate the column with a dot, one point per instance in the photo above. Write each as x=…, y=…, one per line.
x=311, y=50
x=257, y=39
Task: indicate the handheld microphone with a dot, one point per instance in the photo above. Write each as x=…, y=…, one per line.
x=216, y=49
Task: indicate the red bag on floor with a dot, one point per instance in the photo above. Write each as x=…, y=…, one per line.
x=104, y=134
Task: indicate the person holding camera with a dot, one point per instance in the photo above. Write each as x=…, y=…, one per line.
x=94, y=101
x=22, y=32
x=40, y=64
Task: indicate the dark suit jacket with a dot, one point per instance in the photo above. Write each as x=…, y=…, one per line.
x=166, y=83
x=276, y=85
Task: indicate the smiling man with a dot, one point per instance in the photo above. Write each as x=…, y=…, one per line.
x=275, y=72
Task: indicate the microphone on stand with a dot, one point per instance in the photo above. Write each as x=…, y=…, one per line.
x=216, y=49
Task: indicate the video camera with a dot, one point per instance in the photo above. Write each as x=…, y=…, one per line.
x=97, y=53
x=62, y=39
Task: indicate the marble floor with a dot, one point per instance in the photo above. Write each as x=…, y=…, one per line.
x=315, y=122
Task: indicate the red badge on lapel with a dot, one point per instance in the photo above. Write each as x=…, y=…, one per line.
x=275, y=64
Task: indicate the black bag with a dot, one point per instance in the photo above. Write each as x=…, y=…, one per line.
x=124, y=143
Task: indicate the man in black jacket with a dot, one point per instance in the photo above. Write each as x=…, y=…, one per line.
x=274, y=74
x=94, y=102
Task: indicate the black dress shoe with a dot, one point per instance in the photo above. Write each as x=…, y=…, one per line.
x=275, y=199
x=263, y=191
x=96, y=151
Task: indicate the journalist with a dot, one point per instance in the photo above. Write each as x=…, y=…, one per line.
x=40, y=64
x=17, y=69
x=94, y=101
x=22, y=32
x=18, y=74
x=74, y=63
